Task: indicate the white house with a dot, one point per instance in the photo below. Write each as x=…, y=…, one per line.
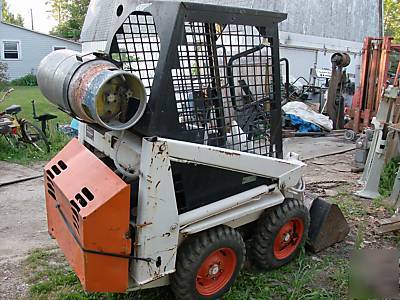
x=23, y=49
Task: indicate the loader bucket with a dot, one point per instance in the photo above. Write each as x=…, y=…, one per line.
x=88, y=214
x=328, y=226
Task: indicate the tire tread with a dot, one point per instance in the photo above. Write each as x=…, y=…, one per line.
x=269, y=225
x=193, y=250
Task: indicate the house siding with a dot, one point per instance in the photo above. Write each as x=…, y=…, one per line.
x=349, y=20
x=313, y=31
x=34, y=47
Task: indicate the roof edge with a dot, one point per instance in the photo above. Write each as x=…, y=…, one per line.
x=41, y=33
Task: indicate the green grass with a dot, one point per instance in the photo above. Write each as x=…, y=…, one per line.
x=388, y=177
x=26, y=154
x=325, y=275
x=24, y=95
x=310, y=276
x=50, y=277
x=351, y=206
x=305, y=278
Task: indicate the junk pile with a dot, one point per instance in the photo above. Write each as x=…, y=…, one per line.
x=70, y=129
x=305, y=119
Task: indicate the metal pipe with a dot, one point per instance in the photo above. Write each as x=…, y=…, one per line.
x=224, y=205
x=216, y=83
x=287, y=84
x=229, y=71
x=320, y=49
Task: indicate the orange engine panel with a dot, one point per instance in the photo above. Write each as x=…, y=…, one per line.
x=88, y=214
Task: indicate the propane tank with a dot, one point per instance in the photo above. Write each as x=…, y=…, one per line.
x=92, y=89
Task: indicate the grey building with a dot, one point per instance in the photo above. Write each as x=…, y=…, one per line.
x=313, y=31
x=23, y=49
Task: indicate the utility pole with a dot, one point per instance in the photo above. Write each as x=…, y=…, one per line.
x=32, y=19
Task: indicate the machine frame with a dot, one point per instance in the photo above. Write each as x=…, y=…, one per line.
x=164, y=178
x=159, y=228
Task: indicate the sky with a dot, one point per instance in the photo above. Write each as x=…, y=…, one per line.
x=42, y=20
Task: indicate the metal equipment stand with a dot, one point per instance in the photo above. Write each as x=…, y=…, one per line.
x=376, y=156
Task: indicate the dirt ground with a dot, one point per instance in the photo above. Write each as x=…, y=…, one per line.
x=22, y=228
x=23, y=218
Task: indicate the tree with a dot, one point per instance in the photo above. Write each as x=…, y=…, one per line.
x=58, y=10
x=3, y=72
x=70, y=16
x=392, y=19
x=11, y=18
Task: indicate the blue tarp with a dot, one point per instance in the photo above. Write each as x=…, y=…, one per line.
x=74, y=124
x=303, y=126
x=70, y=129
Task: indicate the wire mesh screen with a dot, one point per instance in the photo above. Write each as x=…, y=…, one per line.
x=138, y=47
x=224, y=87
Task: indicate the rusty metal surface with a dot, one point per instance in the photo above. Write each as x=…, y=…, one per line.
x=373, y=81
x=84, y=87
x=335, y=101
x=341, y=59
x=157, y=222
x=80, y=83
x=373, y=68
x=383, y=69
x=327, y=227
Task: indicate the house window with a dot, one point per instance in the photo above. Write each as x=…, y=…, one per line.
x=11, y=50
x=55, y=48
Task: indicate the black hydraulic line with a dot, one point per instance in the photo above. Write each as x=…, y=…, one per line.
x=287, y=84
x=246, y=89
x=216, y=83
x=301, y=77
x=229, y=71
x=21, y=180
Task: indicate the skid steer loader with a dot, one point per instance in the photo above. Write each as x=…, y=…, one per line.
x=179, y=157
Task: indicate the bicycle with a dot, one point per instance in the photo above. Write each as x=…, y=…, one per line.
x=16, y=130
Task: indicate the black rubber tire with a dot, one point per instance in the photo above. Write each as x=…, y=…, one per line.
x=195, y=250
x=268, y=227
x=44, y=146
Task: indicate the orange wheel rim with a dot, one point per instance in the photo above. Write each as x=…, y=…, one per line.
x=216, y=271
x=288, y=238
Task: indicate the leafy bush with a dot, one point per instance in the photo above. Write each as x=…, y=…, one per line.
x=3, y=73
x=388, y=177
x=27, y=80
